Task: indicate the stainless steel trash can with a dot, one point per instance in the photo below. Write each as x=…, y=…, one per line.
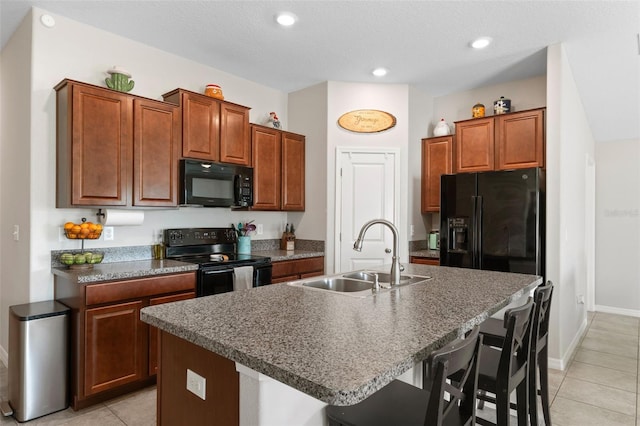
x=38, y=365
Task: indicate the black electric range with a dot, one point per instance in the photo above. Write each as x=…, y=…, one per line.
x=214, y=250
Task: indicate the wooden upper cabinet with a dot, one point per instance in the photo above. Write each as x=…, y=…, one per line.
x=94, y=140
x=475, y=145
x=115, y=149
x=235, y=142
x=212, y=129
x=520, y=140
x=501, y=142
x=267, y=167
x=200, y=127
x=293, y=171
x=437, y=160
x=278, y=169
x=156, y=143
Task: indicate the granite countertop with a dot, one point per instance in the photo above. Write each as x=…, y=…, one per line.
x=336, y=348
x=433, y=254
x=279, y=255
x=123, y=270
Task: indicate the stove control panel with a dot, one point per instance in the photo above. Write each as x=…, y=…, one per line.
x=198, y=236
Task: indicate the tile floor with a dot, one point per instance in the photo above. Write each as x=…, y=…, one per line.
x=600, y=387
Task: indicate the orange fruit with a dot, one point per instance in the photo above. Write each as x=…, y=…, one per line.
x=98, y=227
x=84, y=225
x=68, y=225
x=76, y=229
x=93, y=226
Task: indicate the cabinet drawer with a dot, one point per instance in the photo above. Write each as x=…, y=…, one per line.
x=297, y=267
x=139, y=288
x=424, y=260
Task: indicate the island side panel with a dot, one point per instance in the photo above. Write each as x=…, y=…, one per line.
x=177, y=405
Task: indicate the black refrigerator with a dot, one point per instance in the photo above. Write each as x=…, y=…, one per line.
x=494, y=220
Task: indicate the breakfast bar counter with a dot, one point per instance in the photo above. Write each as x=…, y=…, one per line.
x=333, y=347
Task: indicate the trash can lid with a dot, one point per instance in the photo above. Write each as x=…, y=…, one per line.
x=36, y=310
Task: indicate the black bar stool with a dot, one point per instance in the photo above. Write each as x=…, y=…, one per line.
x=400, y=403
x=493, y=331
x=504, y=368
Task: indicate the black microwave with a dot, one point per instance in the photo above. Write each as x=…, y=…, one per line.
x=210, y=184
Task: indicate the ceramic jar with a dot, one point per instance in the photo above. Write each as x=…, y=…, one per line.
x=441, y=129
x=477, y=111
x=214, y=91
x=502, y=106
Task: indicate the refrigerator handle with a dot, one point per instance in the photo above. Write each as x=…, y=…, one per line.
x=478, y=231
x=473, y=232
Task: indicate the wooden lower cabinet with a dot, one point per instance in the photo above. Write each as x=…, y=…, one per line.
x=112, y=352
x=177, y=405
x=114, y=341
x=291, y=270
x=424, y=260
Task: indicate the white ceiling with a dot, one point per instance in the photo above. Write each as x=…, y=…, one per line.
x=422, y=43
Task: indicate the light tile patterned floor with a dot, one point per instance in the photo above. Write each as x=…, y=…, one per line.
x=600, y=386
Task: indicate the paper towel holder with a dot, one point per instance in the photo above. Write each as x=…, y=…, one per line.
x=100, y=215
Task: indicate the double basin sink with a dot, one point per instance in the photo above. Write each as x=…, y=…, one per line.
x=359, y=283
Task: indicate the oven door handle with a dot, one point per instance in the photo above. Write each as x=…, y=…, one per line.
x=218, y=271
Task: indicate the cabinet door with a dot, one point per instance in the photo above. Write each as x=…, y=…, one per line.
x=156, y=143
x=474, y=145
x=101, y=146
x=520, y=140
x=153, y=331
x=437, y=159
x=293, y=170
x=424, y=260
x=200, y=127
x=266, y=157
x=115, y=346
x=235, y=145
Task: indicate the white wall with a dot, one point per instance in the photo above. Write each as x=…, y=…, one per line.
x=420, y=117
x=345, y=97
x=569, y=142
x=15, y=154
x=618, y=227
x=308, y=112
x=33, y=62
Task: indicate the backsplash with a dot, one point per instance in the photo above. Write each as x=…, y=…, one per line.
x=132, y=253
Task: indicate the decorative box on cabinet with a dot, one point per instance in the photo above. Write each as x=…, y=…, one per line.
x=115, y=149
x=501, y=142
x=437, y=160
x=212, y=129
x=296, y=269
x=112, y=351
x=278, y=169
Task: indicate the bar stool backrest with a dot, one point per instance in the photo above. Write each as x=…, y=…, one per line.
x=518, y=323
x=459, y=357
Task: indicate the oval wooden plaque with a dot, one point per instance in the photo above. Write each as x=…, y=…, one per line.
x=366, y=121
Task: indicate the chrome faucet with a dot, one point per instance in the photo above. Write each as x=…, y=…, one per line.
x=395, y=260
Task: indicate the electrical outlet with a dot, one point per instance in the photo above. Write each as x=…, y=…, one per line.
x=197, y=384
x=412, y=230
x=107, y=232
x=259, y=229
x=16, y=232
x=580, y=299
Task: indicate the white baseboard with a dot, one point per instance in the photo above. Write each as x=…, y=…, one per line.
x=562, y=363
x=617, y=311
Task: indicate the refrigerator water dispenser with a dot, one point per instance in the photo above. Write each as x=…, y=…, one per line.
x=458, y=230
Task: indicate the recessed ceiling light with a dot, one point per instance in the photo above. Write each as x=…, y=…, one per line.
x=481, y=43
x=286, y=19
x=48, y=21
x=379, y=72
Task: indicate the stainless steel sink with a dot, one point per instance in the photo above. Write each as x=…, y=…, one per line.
x=358, y=283
x=383, y=277
x=339, y=284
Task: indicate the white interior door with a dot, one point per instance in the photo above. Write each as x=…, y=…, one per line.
x=367, y=188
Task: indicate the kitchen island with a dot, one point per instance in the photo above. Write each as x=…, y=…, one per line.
x=330, y=348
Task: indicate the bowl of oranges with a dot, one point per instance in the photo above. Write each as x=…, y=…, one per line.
x=82, y=231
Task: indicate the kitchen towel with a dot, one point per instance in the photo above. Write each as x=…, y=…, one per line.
x=242, y=277
x=121, y=217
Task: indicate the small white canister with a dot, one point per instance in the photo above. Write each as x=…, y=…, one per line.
x=442, y=128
